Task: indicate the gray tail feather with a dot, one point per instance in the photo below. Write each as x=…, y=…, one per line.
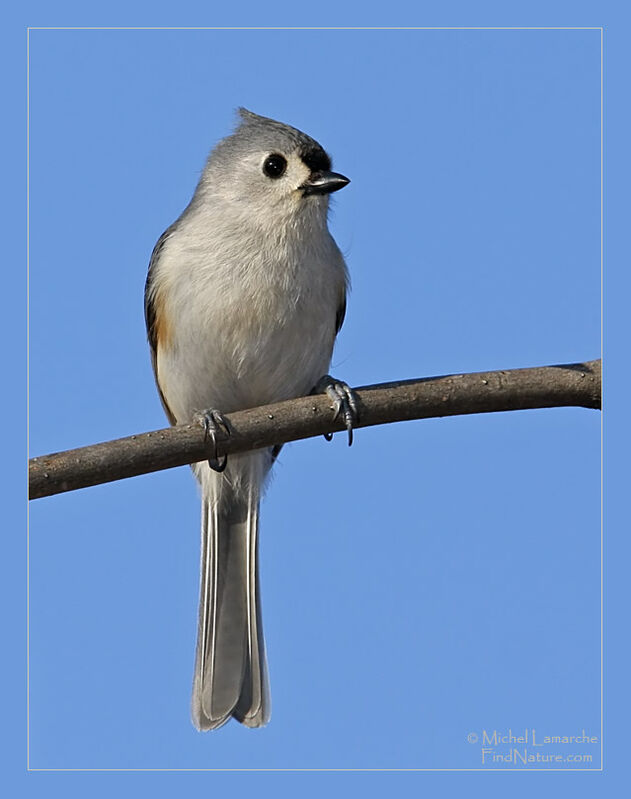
x=230, y=666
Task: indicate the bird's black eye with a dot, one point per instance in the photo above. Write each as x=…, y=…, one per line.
x=274, y=165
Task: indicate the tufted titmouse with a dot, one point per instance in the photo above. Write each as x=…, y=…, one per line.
x=245, y=294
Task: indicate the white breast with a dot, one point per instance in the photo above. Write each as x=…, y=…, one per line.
x=251, y=316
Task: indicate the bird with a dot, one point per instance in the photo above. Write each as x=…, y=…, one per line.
x=244, y=297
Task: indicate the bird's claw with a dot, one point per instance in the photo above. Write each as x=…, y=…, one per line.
x=213, y=422
x=344, y=403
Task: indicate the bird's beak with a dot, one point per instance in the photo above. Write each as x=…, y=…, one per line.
x=324, y=183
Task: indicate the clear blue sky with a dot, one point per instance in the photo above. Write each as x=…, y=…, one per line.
x=441, y=577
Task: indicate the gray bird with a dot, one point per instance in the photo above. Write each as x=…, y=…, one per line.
x=245, y=294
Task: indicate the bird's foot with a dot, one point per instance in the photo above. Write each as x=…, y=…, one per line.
x=214, y=423
x=344, y=402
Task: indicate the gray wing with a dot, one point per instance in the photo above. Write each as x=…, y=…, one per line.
x=341, y=314
x=150, y=314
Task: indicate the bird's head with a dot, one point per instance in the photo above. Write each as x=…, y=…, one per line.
x=270, y=170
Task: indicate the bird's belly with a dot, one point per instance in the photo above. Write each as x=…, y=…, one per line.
x=246, y=355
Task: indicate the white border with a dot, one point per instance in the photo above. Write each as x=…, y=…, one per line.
x=420, y=28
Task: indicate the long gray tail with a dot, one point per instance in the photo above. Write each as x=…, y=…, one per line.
x=230, y=666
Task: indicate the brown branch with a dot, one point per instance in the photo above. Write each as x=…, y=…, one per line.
x=577, y=384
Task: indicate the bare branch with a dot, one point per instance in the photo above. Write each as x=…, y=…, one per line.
x=577, y=384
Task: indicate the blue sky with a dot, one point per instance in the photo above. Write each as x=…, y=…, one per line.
x=441, y=577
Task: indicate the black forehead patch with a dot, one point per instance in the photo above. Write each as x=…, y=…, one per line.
x=316, y=159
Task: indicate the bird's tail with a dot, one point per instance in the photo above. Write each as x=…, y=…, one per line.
x=230, y=665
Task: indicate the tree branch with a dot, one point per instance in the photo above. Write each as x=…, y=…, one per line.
x=577, y=384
